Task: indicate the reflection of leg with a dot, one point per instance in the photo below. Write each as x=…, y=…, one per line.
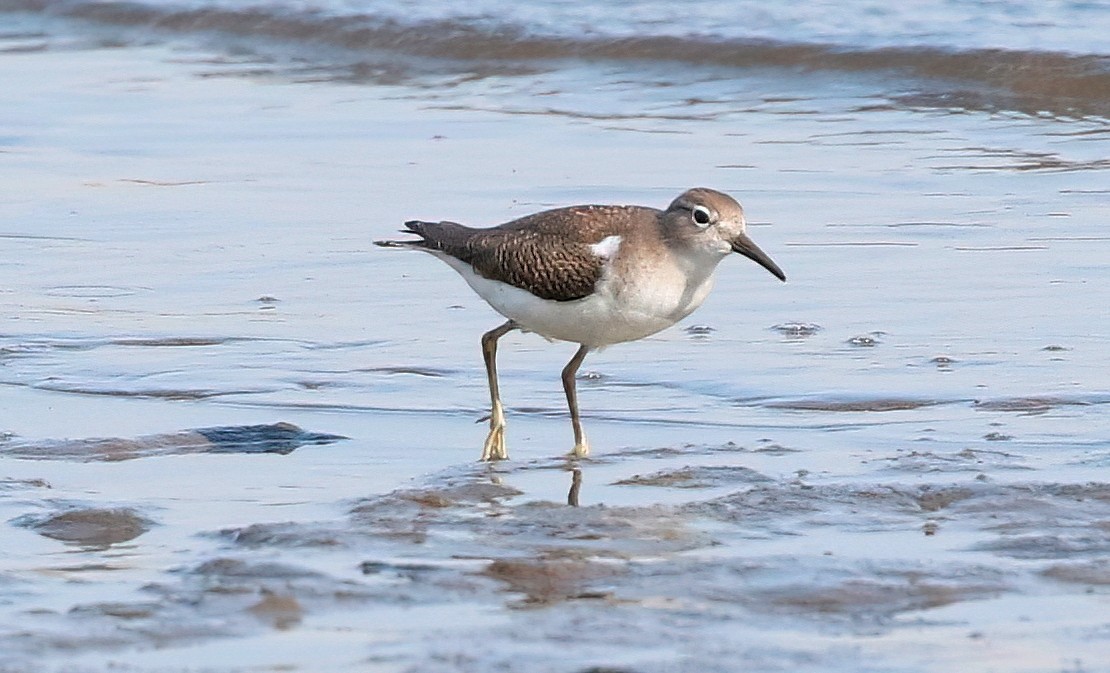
x=581, y=446
x=494, y=448
x=575, y=487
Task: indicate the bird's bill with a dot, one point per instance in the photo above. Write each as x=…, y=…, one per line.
x=747, y=247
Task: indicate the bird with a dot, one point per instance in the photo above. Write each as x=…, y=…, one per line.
x=594, y=275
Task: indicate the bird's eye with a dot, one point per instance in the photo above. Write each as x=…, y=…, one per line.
x=702, y=216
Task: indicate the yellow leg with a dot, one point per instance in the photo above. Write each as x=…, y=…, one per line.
x=581, y=446
x=494, y=448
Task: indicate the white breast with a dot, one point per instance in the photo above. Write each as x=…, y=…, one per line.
x=636, y=304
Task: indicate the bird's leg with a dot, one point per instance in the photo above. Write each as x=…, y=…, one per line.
x=494, y=448
x=581, y=446
x=575, y=487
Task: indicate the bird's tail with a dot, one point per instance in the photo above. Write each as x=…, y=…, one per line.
x=411, y=227
x=433, y=236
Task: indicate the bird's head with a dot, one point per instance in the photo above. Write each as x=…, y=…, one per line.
x=713, y=222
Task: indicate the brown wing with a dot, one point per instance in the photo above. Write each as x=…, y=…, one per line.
x=547, y=254
x=545, y=265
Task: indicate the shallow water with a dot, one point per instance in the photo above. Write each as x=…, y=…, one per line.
x=896, y=461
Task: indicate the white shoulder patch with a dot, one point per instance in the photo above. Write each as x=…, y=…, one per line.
x=607, y=247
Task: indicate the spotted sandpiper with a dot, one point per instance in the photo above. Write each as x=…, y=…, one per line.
x=591, y=275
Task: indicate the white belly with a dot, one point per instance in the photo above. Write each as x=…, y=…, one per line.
x=615, y=313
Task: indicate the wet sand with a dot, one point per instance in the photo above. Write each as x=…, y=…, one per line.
x=894, y=462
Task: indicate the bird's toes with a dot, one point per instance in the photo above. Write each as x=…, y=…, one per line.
x=494, y=448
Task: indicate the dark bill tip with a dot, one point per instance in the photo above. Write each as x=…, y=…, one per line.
x=747, y=247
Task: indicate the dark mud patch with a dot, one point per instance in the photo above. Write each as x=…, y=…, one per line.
x=866, y=340
x=162, y=183
x=554, y=578
x=967, y=460
x=709, y=579
x=1022, y=520
x=220, y=598
x=279, y=438
x=479, y=515
x=89, y=527
x=21, y=484
x=173, y=394
x=94, y=291
x=880, y=593
x=796, y=504
x=173, y=342
x=701, y=476
x=700, y=331
x=1029, y=405
x=797, y=330
x=771, y=448
x=764, y=446
x=879, y=404
x=270, y=438
x=657, y=452
x=52, y=343
x=1095, y=572
x=288, y=535
x=1074, y=541
x=411, y=370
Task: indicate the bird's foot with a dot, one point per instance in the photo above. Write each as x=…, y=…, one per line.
x=581, y=449
x=494, y=448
